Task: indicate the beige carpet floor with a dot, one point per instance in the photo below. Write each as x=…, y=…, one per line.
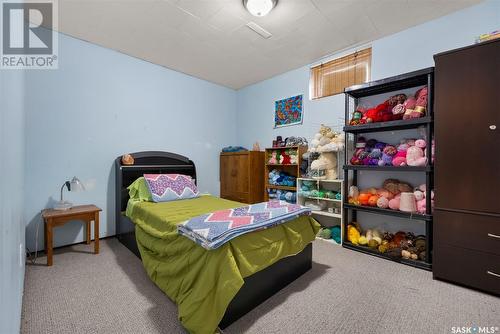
x=345, y=292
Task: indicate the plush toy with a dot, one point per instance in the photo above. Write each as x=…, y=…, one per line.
x=327, y=141
x=318, y=169
x=273, y=160
x=415, y=155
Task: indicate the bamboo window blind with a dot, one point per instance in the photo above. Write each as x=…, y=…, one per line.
x=332, y=77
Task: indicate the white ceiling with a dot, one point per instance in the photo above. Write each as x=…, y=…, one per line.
x=208, y=39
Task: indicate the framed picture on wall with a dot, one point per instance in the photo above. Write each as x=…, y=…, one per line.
x=288, y=111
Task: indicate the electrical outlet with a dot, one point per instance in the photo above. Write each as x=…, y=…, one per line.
x=21, y=257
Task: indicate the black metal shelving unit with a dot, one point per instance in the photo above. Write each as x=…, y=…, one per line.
x=352, y=96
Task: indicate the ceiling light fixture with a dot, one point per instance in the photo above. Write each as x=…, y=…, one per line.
x=259, y=7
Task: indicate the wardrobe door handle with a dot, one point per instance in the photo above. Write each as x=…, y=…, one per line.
x=493, y=235
x=493, y=127
x=493, y=274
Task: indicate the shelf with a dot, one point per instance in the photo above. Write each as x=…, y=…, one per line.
x=388, y=126
x=327, y=214
x=368, y=250
x=390, y=168
x=283, y=148
x=399, y=82
x=282, y=165
x=388, y=212
x=272, y=186
x=324, y=199
x=315, y=180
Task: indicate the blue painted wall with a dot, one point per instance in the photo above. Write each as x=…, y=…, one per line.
x=100, y=104
x=405, y=51
x=12, y=223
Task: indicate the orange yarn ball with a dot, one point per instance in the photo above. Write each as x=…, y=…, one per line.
x=372, y=201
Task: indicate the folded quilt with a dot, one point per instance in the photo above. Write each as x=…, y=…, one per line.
x=212, y=230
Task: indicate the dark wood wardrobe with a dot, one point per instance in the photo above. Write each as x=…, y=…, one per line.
x=242, y=176
x=467, y=166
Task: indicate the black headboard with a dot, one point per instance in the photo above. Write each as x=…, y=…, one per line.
x=148, y=162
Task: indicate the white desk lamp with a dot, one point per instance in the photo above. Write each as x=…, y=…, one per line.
x=74, y=185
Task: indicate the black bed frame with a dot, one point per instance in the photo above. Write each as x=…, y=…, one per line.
x=257, y=287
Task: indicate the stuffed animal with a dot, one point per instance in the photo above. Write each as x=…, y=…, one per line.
x=415, y=155
x=327, y=141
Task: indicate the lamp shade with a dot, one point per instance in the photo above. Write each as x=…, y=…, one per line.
x=259, y=7
x=76, y=184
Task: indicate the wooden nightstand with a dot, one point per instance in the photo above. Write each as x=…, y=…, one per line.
x=53, y=218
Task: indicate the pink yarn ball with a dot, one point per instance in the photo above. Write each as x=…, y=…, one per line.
x=394, y=203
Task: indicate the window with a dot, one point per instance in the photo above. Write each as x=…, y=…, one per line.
x=332, y=77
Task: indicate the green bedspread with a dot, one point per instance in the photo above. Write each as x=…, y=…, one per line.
x=203, y=282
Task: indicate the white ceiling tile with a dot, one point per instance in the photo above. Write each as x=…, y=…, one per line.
x=201, y=9
x=226, y=20
x=208, y=38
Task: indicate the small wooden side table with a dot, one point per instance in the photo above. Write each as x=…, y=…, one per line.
x=53, y=218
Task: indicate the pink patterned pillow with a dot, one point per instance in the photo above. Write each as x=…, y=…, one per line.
x=171, y=187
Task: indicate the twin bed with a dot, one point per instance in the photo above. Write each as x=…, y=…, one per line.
x=212, y=288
